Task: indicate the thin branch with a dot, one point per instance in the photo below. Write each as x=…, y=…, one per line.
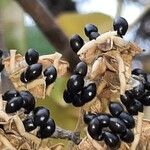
x=45, y=20
x=66, y=134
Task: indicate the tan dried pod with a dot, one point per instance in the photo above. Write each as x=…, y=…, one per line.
x=98, y=68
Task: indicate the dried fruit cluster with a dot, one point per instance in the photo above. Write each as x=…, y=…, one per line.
x=110, y=96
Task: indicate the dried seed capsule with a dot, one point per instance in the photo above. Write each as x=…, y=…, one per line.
x=145, y=99
x=10, y=94
x=68, y=97
x=23, y=77
x=31, y=56
x=81, y=69
x=127, y=119
x=88, y=92
x=90, y=28
x=111, y=139
x=94, y=129
x=115, y=108
x=47, y=129
x=33, y=72
x=88, y=117
x=29, y=125
x=116, y=125
x=120, y=25
x=76, y=42
x=93, y=35
x=28, y=101
x=1, y=67
x=127, y=136
x=139, y=72
x=104, y=120
x=77, y=101
x=75, y=83
x=41, y=115
x=51, y=71
x=14, y=105
x=135, y=107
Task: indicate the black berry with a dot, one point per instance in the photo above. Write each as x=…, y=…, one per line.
x=115, y=108
x=41, y=115
x=93, y=35
x=31, y=56
x=68, y=97
x=81, y=69
x=14, y=105
x=88, y=117
x=120, y=25
x=29, y=125
x=77, y=101
x=76, y=42
x=10, y=94
x=90, y=28
x=75, y=83
x=23, y=77
x=104, y=120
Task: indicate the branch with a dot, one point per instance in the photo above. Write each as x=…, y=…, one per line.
x=44, y=19
x=66, y=134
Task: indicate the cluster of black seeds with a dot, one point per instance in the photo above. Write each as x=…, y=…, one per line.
x=17, y=100
x=1, y=64
x=40, y=117
x=139, y=96
x=91, y=31
x=112, y=128
x=34, y=70
x=76, y=93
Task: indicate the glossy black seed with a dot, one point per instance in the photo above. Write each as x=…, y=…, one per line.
x=126, y=100
x=145, y=99
x=139, y=72
x=111, y=139
x=90, y=28
x=115, y=108
x=75, y=83
x=77, y=101
x=33, y=71
x=138, y=91
x=68, y=97
x=104, y=120
x=134, y=108
x=10, y=94
x=47, y=129
x=1, y=53
x=93, y=35
x=23, y=77
x=120, y=25
x=116, y=125
x=28, y=101
x=41, y=115
x=129, y=93
x=49, y=80
x=14, y=105
x=127, y=119
x=51, y=71
x=31, y=56
x=1, y=67
x=76, y=42
x=81, y=68
x=94, y=129
x=88, y=92
x=88, y=117
x=29, y=125
x=128, y=136
x=147, y=86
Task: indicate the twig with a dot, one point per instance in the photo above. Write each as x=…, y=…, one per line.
x=44, y=19
x=66, y=134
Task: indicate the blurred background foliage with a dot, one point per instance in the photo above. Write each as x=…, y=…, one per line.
x=19, y=31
